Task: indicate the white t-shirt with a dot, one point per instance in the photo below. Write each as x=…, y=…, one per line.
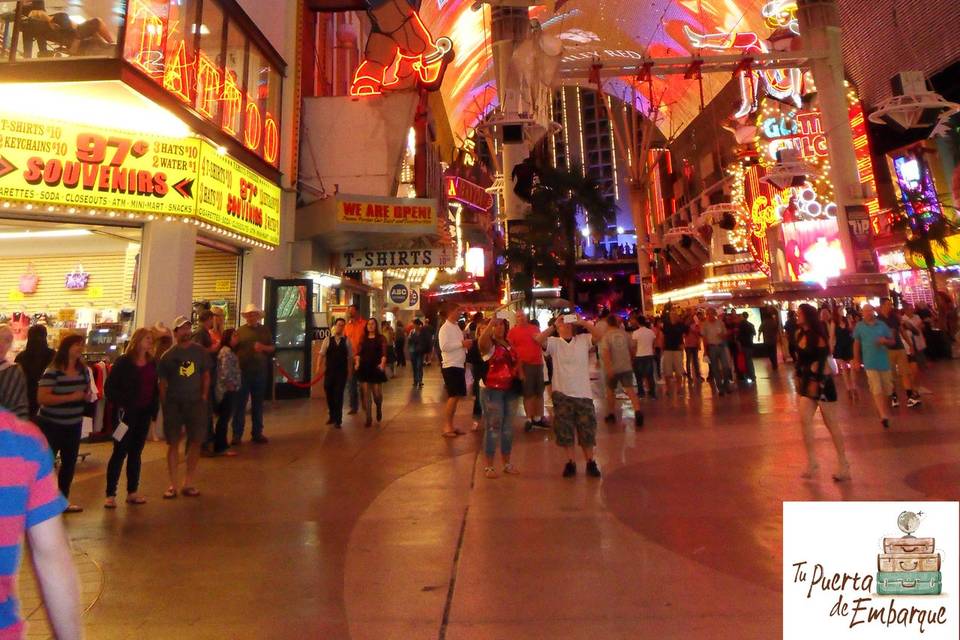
x=571, y=365
x=451, y=345
x=645, y=337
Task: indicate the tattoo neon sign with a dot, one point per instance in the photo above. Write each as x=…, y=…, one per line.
x=199, y=81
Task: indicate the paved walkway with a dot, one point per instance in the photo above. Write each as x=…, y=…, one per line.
x=393, y=532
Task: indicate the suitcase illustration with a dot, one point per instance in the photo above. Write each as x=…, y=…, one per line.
x=908, y=562
x=908, y=544
x=909, y=583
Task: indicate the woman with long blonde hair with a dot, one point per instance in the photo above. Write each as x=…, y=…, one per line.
x=132, y=386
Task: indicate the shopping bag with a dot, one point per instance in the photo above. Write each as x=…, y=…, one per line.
x=29, y=280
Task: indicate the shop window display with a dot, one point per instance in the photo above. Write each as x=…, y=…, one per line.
x=61, y=29
x=40, y=280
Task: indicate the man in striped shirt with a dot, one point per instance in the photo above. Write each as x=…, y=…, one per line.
x=30, y=504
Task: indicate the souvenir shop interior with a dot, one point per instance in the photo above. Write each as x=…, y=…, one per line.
x=84, y=278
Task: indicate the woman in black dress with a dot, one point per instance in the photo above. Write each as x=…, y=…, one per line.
x=371, y=365
x=815, y=386
x=843, y=348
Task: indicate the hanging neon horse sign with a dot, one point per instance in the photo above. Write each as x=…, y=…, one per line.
x=400, y=51
x=782, y=84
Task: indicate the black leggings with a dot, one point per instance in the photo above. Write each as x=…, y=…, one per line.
x=129, y=448
x=66, y=442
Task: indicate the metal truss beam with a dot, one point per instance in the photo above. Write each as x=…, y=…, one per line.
x=612, y=66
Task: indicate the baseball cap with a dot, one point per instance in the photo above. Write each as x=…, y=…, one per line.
x=179, y=322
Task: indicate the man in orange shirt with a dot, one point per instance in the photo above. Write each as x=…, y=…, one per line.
x=523, y=339
x=356, y=327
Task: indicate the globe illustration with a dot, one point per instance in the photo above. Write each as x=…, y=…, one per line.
x=908, y=522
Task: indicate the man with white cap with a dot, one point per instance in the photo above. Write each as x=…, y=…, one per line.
x=254, y=349
x=184, y=373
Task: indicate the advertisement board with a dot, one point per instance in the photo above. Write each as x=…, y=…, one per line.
x=68, y=165
x=404, y=296
x=59, y=164
x=366, y=211
x=232, y=196
x=365, y=259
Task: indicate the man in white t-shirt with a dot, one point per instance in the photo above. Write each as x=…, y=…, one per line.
x=574, y=414
x=644, y=358
x=453, y=352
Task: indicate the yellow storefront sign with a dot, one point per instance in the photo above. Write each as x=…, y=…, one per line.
x=64, y=164
x=60, y=164
x=402, y=212
x=231, y=196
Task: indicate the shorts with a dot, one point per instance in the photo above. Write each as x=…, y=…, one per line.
x=880, y=382
x=533, y=383
x=455, y=381
x=184, y=415
x=574, y=416
x=898, y=360
x=672, y=362
x=624, y=379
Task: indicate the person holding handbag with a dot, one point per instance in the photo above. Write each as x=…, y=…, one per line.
x=63, y=392
x=816, y=388
x=132, y=386
x=500, y=391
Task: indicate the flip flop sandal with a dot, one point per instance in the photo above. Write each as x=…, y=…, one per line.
x=137, y=500
x=73, y=508
x=190, y=492
x=170, y=494
x=110, y=503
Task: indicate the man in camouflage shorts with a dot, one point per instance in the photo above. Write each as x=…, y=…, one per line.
x=574, y=415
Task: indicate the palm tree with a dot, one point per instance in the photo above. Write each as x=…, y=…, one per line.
x=546, y=246
x=921, y=232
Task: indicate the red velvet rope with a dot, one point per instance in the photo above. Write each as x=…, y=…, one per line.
x=299, y=385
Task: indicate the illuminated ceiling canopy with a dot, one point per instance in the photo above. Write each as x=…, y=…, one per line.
x=615, y=29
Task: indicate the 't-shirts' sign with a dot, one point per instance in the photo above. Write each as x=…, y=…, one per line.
x=395, y=259
x=403, y=212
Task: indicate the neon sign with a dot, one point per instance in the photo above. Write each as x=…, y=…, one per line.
x=468, y=193
x=782, y=84
x=198, y=80
x=400, y=52
x=861, y=148
x=801, y=131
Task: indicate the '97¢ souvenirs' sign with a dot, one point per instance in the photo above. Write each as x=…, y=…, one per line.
x=68, y=165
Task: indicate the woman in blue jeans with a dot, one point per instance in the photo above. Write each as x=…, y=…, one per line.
x=499, y=394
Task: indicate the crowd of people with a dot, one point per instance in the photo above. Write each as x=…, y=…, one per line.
x=191, y=385
x=197, y=383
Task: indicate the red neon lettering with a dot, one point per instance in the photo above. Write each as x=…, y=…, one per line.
x=253, y=126
x=176, y=77
x=149, y=56
x=271, y=140
x=232, y=102
x=208, y=86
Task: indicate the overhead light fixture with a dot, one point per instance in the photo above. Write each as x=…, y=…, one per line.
x=325, y=279
x=33, y=235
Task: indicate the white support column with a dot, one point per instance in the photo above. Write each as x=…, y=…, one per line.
x=820, y=29
x=509, y=27
x=166, y=272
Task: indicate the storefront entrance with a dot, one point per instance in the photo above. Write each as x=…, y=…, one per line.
x=76, y=278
